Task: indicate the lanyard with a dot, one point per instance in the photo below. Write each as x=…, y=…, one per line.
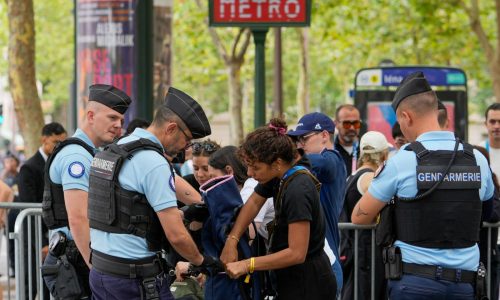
x=291, y=171
x=354, y=156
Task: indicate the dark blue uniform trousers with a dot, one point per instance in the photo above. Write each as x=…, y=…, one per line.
x=416, y=287
x=107, y=287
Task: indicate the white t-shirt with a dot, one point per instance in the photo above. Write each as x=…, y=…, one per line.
x=494, y=158
x=266, y=213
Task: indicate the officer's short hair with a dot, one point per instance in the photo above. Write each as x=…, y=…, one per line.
x=420, y=103
x=53, y=128
x=164, y=114
x=494, y=106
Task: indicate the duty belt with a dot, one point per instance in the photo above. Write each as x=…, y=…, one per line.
x=128, y=268
x=440, y=273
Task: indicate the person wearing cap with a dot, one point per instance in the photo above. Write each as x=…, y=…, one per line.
x=314, y=135
x=374, y=150
x=126, y=247
x=438, y=184
x=67, y=178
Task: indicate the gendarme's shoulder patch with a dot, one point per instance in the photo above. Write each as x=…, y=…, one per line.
x=171, y=182
x=379, y=170
x=76, y=169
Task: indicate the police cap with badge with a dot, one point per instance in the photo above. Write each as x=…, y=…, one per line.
x=189, y=111
x=110, y=96
x=413, y=84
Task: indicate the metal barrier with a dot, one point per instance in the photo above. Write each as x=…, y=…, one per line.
x=357, y=228
x=31, y=212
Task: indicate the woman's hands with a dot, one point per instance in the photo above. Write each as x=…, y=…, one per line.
x=236, y=269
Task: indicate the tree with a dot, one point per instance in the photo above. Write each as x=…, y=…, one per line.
x=22, y=76
x=233, y=61
x=491, y=46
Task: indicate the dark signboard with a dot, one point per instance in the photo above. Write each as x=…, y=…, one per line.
x=105, y=48
x=259, y=13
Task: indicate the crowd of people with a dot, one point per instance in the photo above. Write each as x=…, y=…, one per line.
x=261, y=219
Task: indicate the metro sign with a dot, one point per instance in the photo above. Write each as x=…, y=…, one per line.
x=259, y=13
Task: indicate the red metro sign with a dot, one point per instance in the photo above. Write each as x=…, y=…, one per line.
x=259, y=13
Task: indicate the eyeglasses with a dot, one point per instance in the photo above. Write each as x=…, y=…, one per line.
x=188, y=139
x=347, y=124
x=207, y=146
x=304, y=138
x=493, y=121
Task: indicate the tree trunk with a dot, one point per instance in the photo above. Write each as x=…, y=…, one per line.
x=235, y=103
x=495, y=78
x=22, y=76
x=302, y=88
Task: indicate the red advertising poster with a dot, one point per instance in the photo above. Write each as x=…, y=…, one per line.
x=257, y=12
x=105, y=47
x=381, y=117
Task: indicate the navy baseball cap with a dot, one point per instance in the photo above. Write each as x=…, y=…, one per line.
x=313, y=122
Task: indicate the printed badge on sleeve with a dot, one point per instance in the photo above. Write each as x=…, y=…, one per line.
x=76, y=169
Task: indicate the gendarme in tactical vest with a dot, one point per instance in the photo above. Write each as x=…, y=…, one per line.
x=116, y=210
x=450, y=216
x=53, y=207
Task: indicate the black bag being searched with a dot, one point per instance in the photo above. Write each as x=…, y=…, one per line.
x=61, y=278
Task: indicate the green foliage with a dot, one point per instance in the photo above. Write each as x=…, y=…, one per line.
x=54, y=47
x=344, y=36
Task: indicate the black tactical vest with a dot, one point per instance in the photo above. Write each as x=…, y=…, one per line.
x=450, y=216
x=53, y=206
x=116, y=210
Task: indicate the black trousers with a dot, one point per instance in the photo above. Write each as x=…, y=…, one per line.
x=311, y=280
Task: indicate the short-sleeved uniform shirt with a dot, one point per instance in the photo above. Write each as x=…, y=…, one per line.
x=148, y=173
x=300, y=202
x=399, y=178
x=71, y=168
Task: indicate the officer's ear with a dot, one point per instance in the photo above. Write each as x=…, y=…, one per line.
x=170, y=128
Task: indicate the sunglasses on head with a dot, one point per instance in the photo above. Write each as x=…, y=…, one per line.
x=348, y=124
x=199, y=147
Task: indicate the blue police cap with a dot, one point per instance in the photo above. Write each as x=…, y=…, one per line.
x=313, y=122
x=110, y=96
x=189, y=111
x=413, y=84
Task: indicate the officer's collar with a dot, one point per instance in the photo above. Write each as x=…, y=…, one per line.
x=84, y=137
x=143, y=133
x=436, y=135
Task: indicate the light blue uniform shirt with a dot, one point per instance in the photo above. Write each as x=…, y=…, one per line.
x=147, y=173
x=399, y=178
x=71, y=168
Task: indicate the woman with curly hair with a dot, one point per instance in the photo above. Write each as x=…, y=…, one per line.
x=297, y=233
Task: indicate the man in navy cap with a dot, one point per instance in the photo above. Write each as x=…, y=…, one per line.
x=314, y=135
x=126, y=242
x=67, y=181
x=438, y=184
